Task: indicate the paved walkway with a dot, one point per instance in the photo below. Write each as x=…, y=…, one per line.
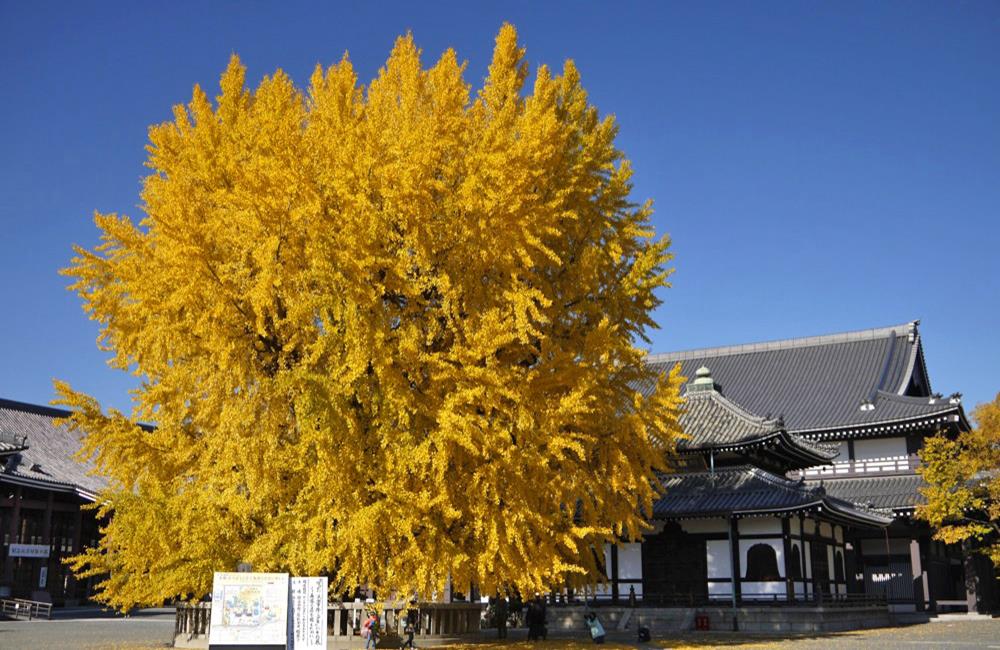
x=90, y=629
x=86, y=628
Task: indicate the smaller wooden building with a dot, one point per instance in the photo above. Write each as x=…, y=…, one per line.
x=43, y=491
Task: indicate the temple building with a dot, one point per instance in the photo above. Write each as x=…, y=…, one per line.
x=796, y=485
x=798, y=481
x=42, y=493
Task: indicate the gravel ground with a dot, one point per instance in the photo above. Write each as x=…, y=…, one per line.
x=148, y=629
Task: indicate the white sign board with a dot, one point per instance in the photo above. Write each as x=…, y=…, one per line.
x=29, y=550
x=249, y=609
x=308, y=620
x=43, y=577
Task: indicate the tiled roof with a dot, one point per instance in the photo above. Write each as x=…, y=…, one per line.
x=820, y=383
x=892, y=492
x=711, y=419
x=10, y=443
x=714, y=422
x=48, y=459
x=750, y=490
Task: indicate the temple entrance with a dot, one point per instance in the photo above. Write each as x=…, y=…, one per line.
x=820, y=567
x=674, y=568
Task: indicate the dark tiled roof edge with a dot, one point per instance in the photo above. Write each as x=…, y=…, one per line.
x=37, y=409
x=785, y=344
x=917, y=420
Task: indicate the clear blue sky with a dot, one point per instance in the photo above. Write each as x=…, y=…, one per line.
x=821, y=166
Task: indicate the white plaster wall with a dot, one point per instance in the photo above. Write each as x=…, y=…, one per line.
x=759, y=525
x=838, y=534
x=809, y=526
x=809, y=564
x=776, y=544
x=705, y=526
x=794, y=526
x=630, y=562
x=825, y=529
x=762, y=590
x=717, y=557
x=720, y=589
x=831, y=568
x=879, y=448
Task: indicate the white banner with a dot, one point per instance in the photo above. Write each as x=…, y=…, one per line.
x=29, y=550
x=249, y=609
x=308, y=620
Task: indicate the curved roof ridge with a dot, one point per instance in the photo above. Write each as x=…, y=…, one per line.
x=776, y=480
x=735, y=409
x=785, y=344
x=825, y=449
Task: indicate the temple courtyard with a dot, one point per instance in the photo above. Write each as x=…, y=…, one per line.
x=89, y=629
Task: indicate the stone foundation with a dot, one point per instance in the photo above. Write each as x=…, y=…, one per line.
x=568, y=621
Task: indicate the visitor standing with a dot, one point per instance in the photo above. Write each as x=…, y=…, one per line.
x=410, y=626
x=501, y=610
x=369, y=630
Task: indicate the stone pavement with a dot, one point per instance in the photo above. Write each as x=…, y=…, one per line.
x=91, y=629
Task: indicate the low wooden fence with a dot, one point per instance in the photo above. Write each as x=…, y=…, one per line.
x=21, y=608
x=193, y=621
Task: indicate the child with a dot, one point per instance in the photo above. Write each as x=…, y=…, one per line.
x=596, y=629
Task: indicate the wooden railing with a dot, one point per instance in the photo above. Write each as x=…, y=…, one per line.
x=908, y=463
x=816, y=599
x=21, y=608
x=343, y=620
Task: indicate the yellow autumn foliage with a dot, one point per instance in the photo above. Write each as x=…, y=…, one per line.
x=385, y=333
x=963, y=483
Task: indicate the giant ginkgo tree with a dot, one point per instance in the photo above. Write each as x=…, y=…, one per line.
x=387, y=333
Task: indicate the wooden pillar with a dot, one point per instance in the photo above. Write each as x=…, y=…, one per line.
x=614, y=573
x=47, y=540
x=803, y=556
x=734, y=550
x=15, y=523
x=47, y=521
x=786, y=538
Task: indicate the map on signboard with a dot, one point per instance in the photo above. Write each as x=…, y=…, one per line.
x=249, y=608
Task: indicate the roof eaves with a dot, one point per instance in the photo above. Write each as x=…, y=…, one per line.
x=898, y=423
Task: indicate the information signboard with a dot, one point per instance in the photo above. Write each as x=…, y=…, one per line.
x=308, y=620
x=249, y=609
x=29, y=550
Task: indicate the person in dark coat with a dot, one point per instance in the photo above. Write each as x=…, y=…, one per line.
x=536, y=619
x=410, y=625
x=501, y=611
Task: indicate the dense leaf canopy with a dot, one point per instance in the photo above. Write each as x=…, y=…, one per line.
x=386, y=333
x=963, y=476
